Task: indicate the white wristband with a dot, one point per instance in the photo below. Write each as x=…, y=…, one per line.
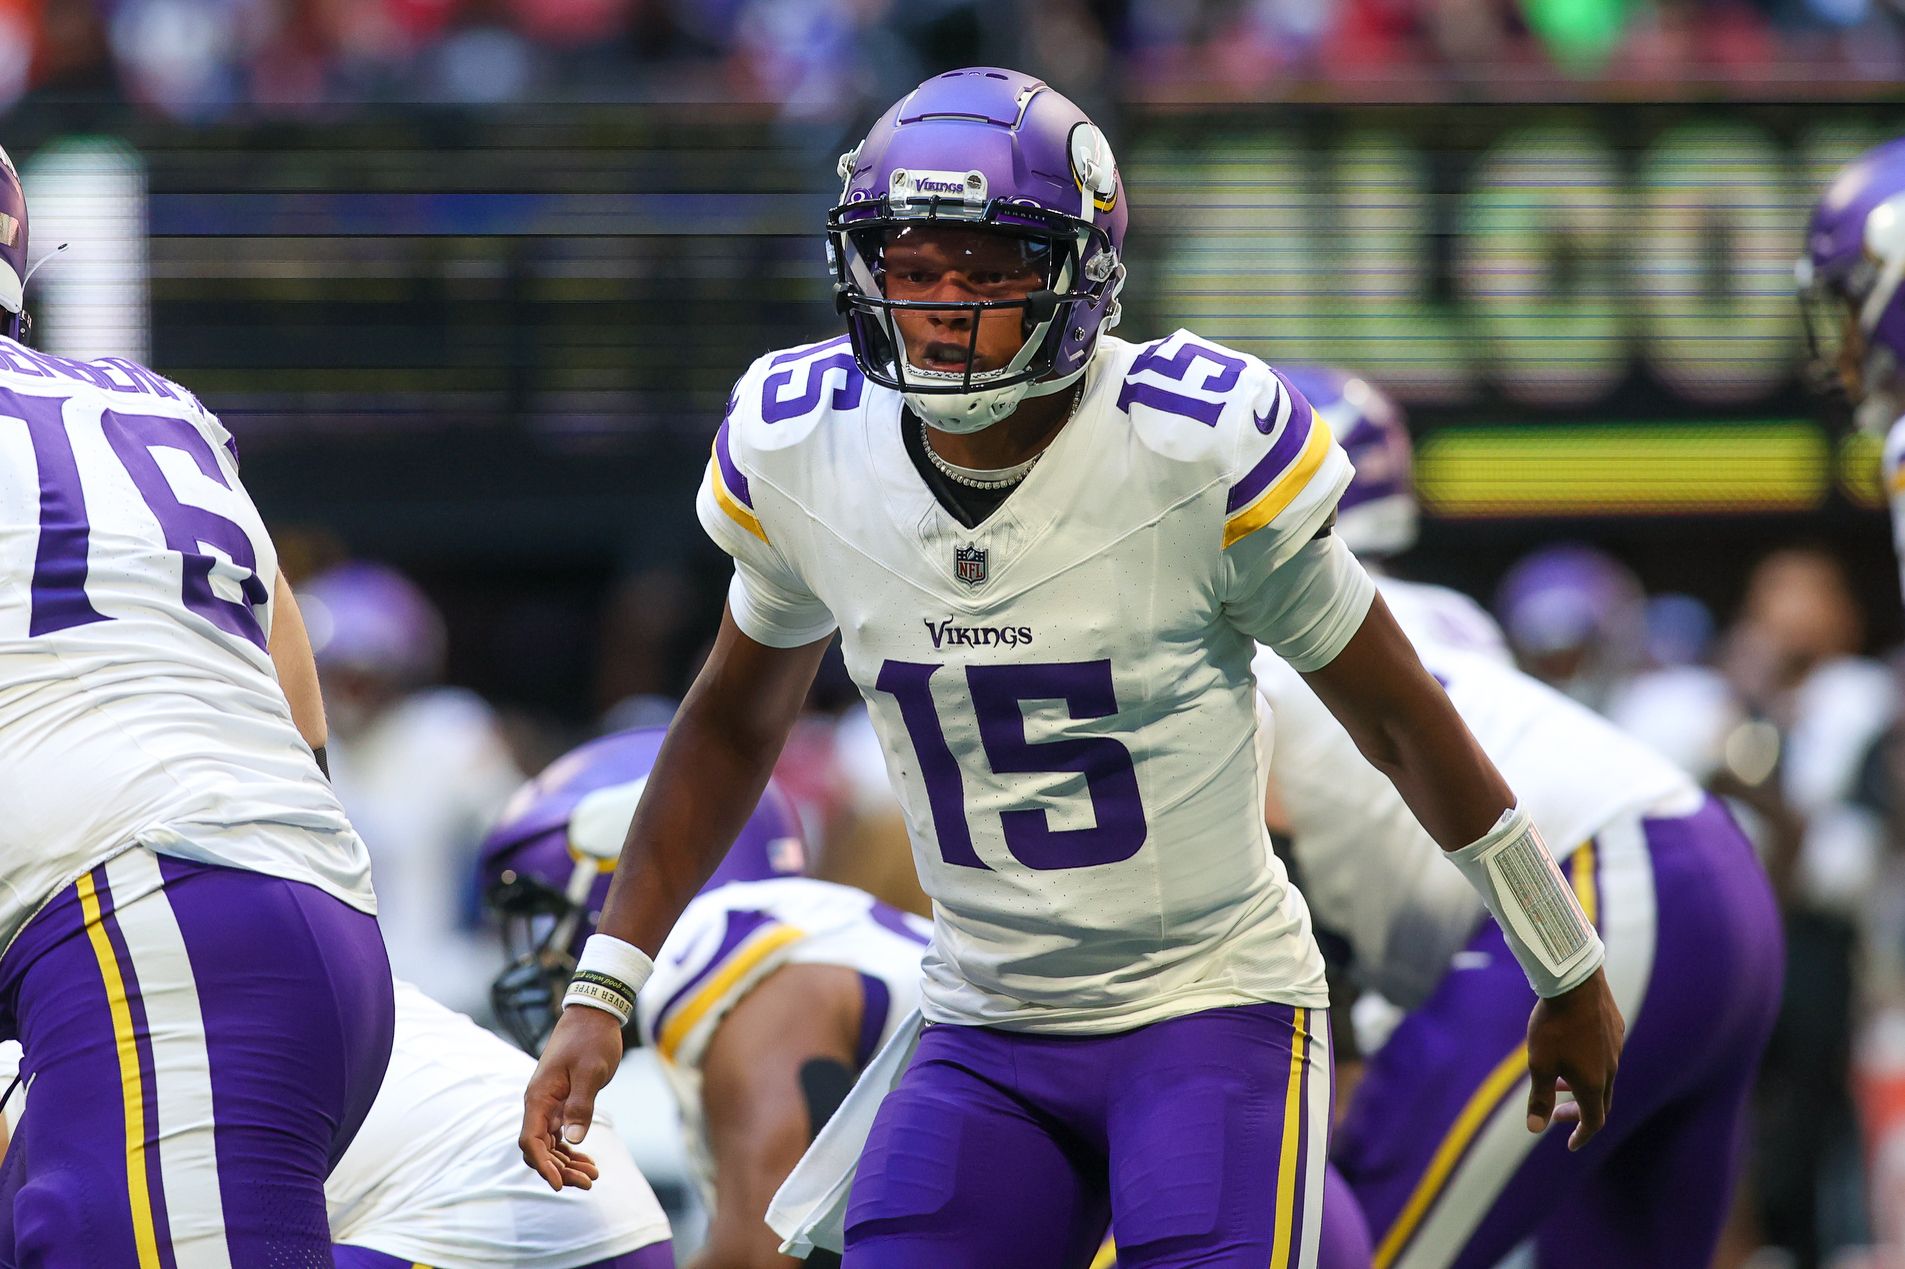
x=608, y=976
x=1552, y=939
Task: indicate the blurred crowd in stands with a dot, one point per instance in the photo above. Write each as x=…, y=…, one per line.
x=833, y=60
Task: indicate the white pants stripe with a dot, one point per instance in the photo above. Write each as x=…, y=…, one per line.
x=181, y=1067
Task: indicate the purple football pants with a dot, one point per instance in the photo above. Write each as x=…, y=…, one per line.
x=203, y=1043
x=1201, y=1139
x=1435, y=1145
x=659, y=1255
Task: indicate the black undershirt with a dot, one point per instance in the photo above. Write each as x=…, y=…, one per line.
x=963, y=503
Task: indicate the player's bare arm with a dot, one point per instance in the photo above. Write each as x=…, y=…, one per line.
x=706, y=782
x=758, y=1121
x=290, y=647
x=1403, y=723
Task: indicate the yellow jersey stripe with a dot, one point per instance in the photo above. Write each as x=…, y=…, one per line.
x=1486, y=1098
x=743, y=962
x=1284, y=489
x=131, y=1086
x=732, y=505
x=1107, y=1255
x=1293, y=1110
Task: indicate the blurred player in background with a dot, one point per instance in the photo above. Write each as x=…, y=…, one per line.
x=1852, y=292
x=1057, y=656
x=433, y=1177
x=1432, y=1141
x=192, y=962
x=421, y=768
x=769, y=997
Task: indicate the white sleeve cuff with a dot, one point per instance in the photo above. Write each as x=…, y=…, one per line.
x=770, y=615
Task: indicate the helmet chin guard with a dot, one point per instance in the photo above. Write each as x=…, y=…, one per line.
x=998, y=151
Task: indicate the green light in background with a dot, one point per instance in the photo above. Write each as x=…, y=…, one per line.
x=1624, y=469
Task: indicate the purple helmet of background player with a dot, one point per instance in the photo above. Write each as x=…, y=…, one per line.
x=1576, y=618
x=13, y=266
x=1377, y=515
x=1849, y=280
x=998, y=149
x=370, y=619
x=547, y=862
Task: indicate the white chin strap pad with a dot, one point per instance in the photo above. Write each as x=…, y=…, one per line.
x=1518, y=879
x=962, y=413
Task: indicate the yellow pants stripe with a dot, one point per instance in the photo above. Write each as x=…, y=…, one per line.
x=131, y=1086
x=1293, y=1113
x=1493, y=1090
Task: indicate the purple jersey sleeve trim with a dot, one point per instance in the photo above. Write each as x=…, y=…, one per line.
x=740, y=925
x=731, y=475
x=1284, y=452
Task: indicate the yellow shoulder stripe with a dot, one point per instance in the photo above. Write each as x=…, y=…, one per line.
x=743, y=962
x=1284, y=490
x=732, y=505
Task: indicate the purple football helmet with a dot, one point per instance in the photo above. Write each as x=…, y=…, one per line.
x=1377, y=515
x=374, y=620
x=13, y=266
x=1853, y=266
x=997, y=149
x=546, y=867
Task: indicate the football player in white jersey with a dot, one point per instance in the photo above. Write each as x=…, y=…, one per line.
x=1049, y=554
x=1432, y=1144
x=192, y=958
x=769, y=997
x=433, y=1178
x=1852, y=291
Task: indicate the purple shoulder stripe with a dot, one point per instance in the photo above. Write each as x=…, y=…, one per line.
x=740, y=926
x=731, y=475
x=1282, y=453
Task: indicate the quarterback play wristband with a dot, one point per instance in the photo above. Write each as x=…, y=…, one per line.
x=608, y=976
x=1551, y=937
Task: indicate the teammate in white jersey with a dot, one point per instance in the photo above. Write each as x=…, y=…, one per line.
x=188, y=914
x=1852, y=291
x=770, y=995
x=1049, y=554
x=1432, y=1145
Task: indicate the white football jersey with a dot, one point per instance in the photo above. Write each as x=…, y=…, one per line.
x=137, y=700
x=1444, y=617
x=1372, y=873
x=733, y=937
x=1063, y=693
x=434, y=1176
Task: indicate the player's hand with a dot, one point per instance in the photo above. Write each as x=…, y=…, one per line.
x=1575, y=1040
x=559, y=1105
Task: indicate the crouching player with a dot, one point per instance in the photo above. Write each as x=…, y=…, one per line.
x=1433, y=1144
x=768, y=998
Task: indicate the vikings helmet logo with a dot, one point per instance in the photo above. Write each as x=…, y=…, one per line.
x=1094, y=171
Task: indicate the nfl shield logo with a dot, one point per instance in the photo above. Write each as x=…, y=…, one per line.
x=969, y=564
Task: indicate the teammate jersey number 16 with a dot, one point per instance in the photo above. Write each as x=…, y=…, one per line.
x=996, y=693
x=61, y=560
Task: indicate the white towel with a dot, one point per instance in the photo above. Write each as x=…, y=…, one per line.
x=809, y=1211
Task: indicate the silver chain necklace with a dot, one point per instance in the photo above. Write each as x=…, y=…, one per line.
x=952, y=473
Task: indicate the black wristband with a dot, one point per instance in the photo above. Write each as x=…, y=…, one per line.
x=323, y=760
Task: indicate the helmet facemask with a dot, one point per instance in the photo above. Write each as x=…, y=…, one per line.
x=541, y=929
x=1013, y=259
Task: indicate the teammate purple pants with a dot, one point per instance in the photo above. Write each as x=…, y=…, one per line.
x=1202, y=1139
x=1434, y=1144
x=659, y=1255
x=203, y=1044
